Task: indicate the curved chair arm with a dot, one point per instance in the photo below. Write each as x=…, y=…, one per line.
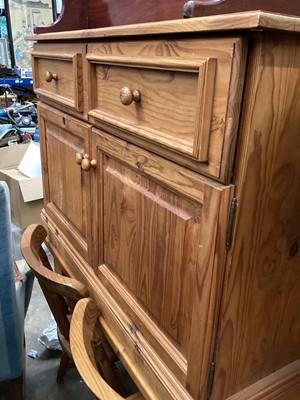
x=32, y=251
x=81, y=337
x=60, y=292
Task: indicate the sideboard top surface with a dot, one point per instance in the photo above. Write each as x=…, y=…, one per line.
x=251, y=20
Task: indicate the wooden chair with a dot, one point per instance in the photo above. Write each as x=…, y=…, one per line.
x=85, y=317
x=60, y=292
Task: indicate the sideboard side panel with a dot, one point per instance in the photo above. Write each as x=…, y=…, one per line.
x=260, y=321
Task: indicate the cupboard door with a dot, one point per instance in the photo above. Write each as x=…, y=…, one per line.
x=161, y=233
x=66, y=186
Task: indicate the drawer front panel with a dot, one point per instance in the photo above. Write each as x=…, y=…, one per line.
x=157, y=240
x=169, y=106
x=181, y=98
x=58, y=76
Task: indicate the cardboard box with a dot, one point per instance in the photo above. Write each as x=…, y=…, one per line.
x=26, y=194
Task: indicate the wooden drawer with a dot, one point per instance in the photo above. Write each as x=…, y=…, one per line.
x=58, y=74
x=183, y=96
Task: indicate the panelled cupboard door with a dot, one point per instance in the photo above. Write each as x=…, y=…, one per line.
x=161, y=250
x=64, y=141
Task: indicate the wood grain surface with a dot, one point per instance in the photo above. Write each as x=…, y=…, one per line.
x=151, y=375
x=190, y=95
x=82, y=330
x=282, y=384
x=66, y=186
x=175, y=299
x=260, y=326
x=216, y=23
x=36, y=258
x=66, y=63
x=148, y=223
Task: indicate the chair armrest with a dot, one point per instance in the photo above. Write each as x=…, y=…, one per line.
x=31, y=243
x=82, y=329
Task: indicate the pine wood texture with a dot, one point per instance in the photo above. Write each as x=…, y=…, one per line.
x=159, y=287
x=65, y=64
x=66, y=185
x=259, y=331
x=275, y=386
x=151, y=375
x=194, y=310
x=190, y=95
x=35, y=256
x=81, y=338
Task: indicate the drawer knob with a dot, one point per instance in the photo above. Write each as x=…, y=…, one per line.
x=78, y=158
x=127, y=96
x=49, y=76
x=87, y=164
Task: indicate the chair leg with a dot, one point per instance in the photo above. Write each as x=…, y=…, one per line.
x=62, y=366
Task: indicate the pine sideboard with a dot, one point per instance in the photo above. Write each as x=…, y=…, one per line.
x=171, y=176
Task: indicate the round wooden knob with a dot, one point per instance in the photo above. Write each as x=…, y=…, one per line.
x=127, y=96
x=87, y=164
x=49, y=76
x=78, y=158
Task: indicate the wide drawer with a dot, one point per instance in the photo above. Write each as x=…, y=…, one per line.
x=58, y=74
x=182, y=97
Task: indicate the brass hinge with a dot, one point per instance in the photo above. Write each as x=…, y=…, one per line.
x=232, y=212
x=211, y=377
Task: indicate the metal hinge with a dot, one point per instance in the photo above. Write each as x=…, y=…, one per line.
x=232, y=212
x=211, y=377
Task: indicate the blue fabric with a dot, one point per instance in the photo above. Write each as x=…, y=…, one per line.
x=11, y=333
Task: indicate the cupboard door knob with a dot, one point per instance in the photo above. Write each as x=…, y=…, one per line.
x=127, y=96
x=78, y=158
x=49, y=76
x=87, y=164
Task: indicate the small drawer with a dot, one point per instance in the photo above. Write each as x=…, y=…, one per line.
x=58, y=75
x=180, y=95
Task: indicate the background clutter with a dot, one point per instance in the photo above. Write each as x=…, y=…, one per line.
x=18, y=120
